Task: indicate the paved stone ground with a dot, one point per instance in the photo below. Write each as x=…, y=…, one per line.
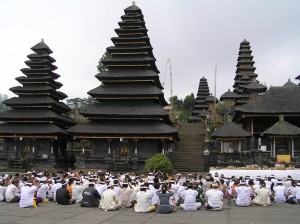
x=74, y=214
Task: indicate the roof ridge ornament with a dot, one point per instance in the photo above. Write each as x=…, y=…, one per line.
x=133, y=2
x=42, y=40
x=281, y=118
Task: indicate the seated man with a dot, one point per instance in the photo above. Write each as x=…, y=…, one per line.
x=109, y=200
x=189, y=196
x=243, y=194
x=90, y=196
x=214, y=198
x=143, y=201
x=63, y=196
x=12, y=193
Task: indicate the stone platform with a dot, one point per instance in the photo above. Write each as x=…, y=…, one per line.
x=74, y=214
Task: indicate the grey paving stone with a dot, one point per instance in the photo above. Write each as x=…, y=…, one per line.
x=9, y=219
x=38, y=220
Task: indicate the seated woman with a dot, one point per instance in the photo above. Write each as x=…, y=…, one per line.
x=164, y=200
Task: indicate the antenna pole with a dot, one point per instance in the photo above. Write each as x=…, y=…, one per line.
x=171, y=82
x=215, y=90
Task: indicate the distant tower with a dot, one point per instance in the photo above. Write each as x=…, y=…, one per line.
x=201, y=107
x=245, y=75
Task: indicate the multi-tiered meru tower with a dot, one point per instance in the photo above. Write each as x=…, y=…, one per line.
x=35, y=127
x=128, y=123
x=246, y=85
x=201, y=107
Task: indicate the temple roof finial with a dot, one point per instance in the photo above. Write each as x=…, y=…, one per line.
x=133, y=2
x=281, y=118
x=42, y=40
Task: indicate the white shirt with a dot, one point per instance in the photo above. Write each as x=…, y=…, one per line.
x=108, y=201
x=214, y=198
x=42, y=191
x=262, y=196
x=2, y=191
x=297, y=192
x=101, y=188
x=189, y=203
x=77, y=192
x=243, y=195
x=279, y=194
x=143, y=202
x=54, y=189
x=27, y=196
x=11, y=192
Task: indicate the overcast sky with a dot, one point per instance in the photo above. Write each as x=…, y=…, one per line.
x=194, y=34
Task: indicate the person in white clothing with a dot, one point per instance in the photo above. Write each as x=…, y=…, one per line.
x=77, y=190
x=42, y=191
x=109, y=200
x=297, y=192
x=279, y=192
x=12, y=193
x=101, y=187
x=143, y=201
x=214, y=198
x=2, y=190
x=56, y=186
x=189, y=199
x=27, y=195
x=125, y=193
x=243, y=194
x=262, y=195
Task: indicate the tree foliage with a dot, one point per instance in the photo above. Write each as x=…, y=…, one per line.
x=183, y=108
x=159, y=162
x=101, y=67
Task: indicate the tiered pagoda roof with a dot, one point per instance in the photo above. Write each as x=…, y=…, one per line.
x=275, y=101
x=201, y=107
x=38, y=110
x=130, y=100
x=245, y=75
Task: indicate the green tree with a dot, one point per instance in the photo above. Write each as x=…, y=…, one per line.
x=178, y=103
x=159, y=162
x=101, y=67
x=189, y=102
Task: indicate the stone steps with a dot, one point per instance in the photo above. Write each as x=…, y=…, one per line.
x=188, y=155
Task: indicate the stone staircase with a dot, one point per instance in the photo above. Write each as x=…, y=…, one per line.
x=188, y=155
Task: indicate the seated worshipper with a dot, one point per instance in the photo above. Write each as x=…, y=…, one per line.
x=90, y=196
x=27, y=194
x=297, y=192
x=189, y=199
x=243, y=194
x=55, y=186
x=63, y=196
x=125, y=193
x=12, y=193
x=135, y=189
x=101, y=187
x=77, y=190
x=42, y=190
x=165, y=206
x=109, y=200
x=262, y=195
x=143, y=201
x=214, y=198
x=291, y=193
x=279, y=191
x=2, y=190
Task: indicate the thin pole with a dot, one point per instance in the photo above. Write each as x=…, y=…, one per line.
x=215, y=90
x=171, y=82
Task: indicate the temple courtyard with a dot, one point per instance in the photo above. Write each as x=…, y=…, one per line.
x=74, y=214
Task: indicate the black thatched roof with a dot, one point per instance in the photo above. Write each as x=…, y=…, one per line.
x=130, y=98
x=41, y=47
x=125, y=109
x=31, y=129
x=255, y=86
x=282, y=128
x=277, y=100
x=229, y=95
x=35, y=116
x=138, y=128
x=37, y=111
x=211, y=99
x=35, y=101
x=230, y=130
